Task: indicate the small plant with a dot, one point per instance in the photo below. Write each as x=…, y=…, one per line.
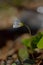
x=33, y=41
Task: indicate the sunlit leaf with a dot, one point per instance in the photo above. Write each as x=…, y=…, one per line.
x=40, y=44
x=26, y=42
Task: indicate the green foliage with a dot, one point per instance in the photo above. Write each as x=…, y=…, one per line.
x=23, y=53
x=27, y=42
x=35, y=40
x=32, y=42
x=40, y=44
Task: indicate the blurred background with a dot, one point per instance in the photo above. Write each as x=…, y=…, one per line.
x=14, y=8
x=29, y=12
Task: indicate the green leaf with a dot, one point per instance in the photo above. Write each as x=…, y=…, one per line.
x=23, y=54
x=40, y=44
x=35, y=40
x=14, y=64
x=27, y=42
